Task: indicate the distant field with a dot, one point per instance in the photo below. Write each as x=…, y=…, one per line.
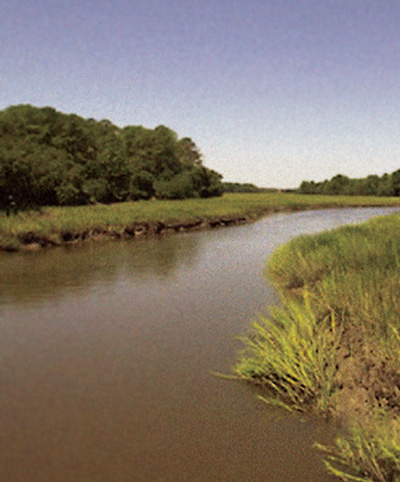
x=55, y=225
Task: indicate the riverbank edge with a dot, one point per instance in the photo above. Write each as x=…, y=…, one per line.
x=33, y=240
x=30, y=241
x=315, y=353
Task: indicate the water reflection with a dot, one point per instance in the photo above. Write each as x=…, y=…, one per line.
x=52, y=273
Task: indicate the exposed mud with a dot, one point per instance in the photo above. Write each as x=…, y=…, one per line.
x=31, y=241
x=365, y=378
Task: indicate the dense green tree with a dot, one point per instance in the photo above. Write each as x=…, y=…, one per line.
x=385, y=187
x=308, y=187
x=208, y=182
x=47, y=157
x=141, y=185
x=180, y=186
x=337, y=185
x=396, y=183
x=244, y=187
x=152, y=150
x=373, y=185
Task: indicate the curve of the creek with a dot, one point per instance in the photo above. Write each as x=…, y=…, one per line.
x=107, y=352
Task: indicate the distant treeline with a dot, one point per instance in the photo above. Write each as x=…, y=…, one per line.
x=51, y=158
x=386, y=185
x=244, y=187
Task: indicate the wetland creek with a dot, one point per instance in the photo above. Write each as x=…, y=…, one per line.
x=107, y=354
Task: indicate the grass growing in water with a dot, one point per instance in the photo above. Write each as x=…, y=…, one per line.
x=369, y=453
x=335, y=344
x=49, y=224
x=292, y=354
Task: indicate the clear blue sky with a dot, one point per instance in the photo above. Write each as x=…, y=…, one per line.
x=272, y=91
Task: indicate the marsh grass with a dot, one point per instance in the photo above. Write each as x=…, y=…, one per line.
x=48, y=223
x=336, y=340
x=292, y=355
x=369, y=453
x=352, y=271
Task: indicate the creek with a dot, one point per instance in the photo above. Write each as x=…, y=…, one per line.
x=107, y=352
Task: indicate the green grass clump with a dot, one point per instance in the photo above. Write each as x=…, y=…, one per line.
x=369, y=453
x=292, y=354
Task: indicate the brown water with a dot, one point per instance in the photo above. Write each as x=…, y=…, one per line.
x=106, y=355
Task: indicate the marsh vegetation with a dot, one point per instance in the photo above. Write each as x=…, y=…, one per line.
x=334, y=344
x=55, y=225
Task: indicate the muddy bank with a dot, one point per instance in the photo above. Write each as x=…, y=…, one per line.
x=366, y=377
x=31, y=241
x=54, y=226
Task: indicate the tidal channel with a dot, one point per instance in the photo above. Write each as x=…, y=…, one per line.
x=107, y=354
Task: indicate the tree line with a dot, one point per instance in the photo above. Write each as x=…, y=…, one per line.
x=51, y=158
x=373, y=185
x=243, y=187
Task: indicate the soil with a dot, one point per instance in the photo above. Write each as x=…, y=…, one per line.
x=32, y=242
x=365, y=378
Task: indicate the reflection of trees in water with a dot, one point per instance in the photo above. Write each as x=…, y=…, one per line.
x=53, y=273
x=162, y=257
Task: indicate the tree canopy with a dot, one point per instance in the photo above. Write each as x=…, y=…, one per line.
x=244, y=187
x=51, y=158
x=373, y=185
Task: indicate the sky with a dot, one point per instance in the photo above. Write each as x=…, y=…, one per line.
x=273, y=92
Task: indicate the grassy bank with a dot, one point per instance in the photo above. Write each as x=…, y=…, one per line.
x=57, y=225
x=334, y=345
